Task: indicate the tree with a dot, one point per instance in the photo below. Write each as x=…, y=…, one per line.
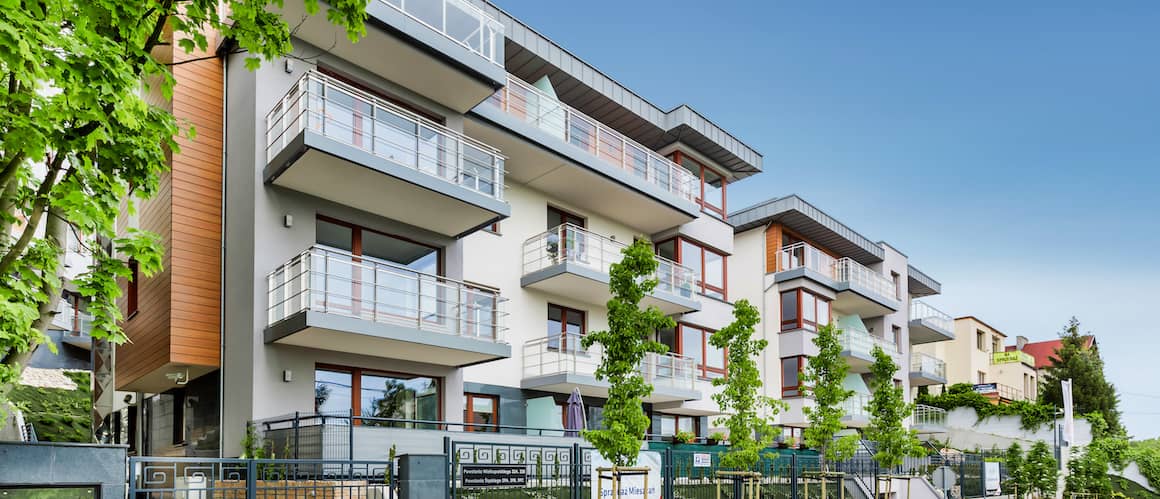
x=77, y=138
x=1091, y=391
x=749, y=421
x=1042, y=470
x=625, y=344
x=888, y=409
x=823, y=378
x=1017, y=480
x=1088, y=472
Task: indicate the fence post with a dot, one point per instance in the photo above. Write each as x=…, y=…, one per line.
x=296, y=435
x=577, y=472
x=251, y=478
x=450, y=465
x=350, y=435
x=793, y=476
x=667, y=472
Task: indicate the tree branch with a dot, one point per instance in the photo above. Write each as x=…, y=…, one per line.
x=54, y=230
x=38, y=208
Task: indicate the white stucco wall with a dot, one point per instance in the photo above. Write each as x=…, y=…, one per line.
x=966, y=431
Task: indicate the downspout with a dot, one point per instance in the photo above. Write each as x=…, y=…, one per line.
x=224, y=53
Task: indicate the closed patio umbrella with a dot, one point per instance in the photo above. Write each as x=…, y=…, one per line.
x=574, y=420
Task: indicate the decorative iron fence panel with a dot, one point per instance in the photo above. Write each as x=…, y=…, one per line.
x=548, y=471
x=220, y=478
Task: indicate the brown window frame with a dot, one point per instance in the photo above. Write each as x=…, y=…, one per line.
x=703, y=369
x=568, y=217
x=468, y=412
x=701, y=285
x=356, y=374
x=798, y=390
x=132, y=289
x=677, y=424
x=720, y=211
x=799, y=322
x=564, y=311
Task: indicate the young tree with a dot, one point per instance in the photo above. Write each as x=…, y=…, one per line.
x=625, y=344
x=888, y=409
x=1088, y=472
x=77, y=138
x=1042, y=470
x=1091, y=391
x=823, y=379
x=1017, y=479
x=750, y=413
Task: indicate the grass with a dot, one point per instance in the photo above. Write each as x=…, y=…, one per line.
x=58, y=415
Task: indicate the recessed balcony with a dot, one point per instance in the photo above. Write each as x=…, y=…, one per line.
x=927, y=419
x=860, y=290
x=858, y=348
x=929, y=324
x=339, y=143
x=574, y=158
x=856, y=411
x=559, y=363
x=330, y=299
x=449, y=51
x=75, y=326
x=570, y=261
x=927, y=370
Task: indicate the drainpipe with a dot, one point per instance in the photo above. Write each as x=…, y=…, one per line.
x=222, y=258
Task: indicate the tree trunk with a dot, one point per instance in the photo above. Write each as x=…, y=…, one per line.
x=56, y=231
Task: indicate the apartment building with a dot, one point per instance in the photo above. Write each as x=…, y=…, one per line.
x=804, y=268
x=978, y=355
x=418, y=227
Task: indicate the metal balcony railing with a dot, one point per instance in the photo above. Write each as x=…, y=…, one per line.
x=537, y=108
x=921, y=311
x=572, y=244
x=927, y=365
x=1012, y=357
x=563, y=354
x=459, y=21
x=332, y=281
x=863, y=343
x=358, y=119
x=839, y=269
x=925, y=415
x=67, y=319
x=856, y=405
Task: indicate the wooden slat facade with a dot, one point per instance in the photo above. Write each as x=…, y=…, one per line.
x=177, y=320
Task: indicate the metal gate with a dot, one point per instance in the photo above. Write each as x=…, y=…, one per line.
x=219, y=478
x=519, y=470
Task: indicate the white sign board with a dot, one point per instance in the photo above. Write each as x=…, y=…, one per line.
x=702, y=460
x=944, y=478
x=991, y=478
x=631, y=486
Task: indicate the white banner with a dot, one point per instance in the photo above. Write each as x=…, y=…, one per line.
x=1068, y=416
x=631, y=486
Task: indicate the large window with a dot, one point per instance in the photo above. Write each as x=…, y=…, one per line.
x=566, y=327
x=377, y=395
x=692, y=341
x=791, y=376
x=481, y=410
x=708, y=265
x=671, y=424
x=802, y=309
x=710, y=189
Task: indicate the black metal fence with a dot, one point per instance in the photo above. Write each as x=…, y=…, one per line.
x=198, y=478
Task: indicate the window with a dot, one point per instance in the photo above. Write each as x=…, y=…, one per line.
x=791, y=380
x=131, y=290
x=982, y=377
x=897, y=280
x=710, y=191
x=566, y=327
x=802, y=309
x=708, y=266
x=377, y=396
x=670, y=425
x=558, y=217
x=980, y=342
x=897, y=332
x=480, y=410
x=996, y=345
x=693, y=342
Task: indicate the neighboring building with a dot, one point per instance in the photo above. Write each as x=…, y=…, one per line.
x=977, y=355
x=1045, y=351
x=805, y=268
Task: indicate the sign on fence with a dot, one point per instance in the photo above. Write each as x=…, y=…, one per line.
x=985, y=388
x=702, y=460
x=631, y=486
x=494, y=475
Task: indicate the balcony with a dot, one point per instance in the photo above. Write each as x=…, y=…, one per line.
x=1012, y=357
x=860, y=290
x=74, y=326
x=927, y=419
x=858, y=347
x=558, y=364
x=929, y=324
x=856, y=414
x=1000, y=393
x=330, y=140
x=447, y=50
x=329, y=299
x=573, y=262
x=927, y=370
x=569, y=156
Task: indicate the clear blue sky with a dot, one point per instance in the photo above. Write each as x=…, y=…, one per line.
x=1011, y=149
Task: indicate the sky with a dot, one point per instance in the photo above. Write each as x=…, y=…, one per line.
x=1010, y=149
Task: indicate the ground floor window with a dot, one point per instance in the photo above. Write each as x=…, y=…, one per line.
x=377, y=396
x=671, y=424
x=481, y=410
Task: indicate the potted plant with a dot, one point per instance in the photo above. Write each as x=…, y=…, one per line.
x=683, y=437
x=715, y=438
